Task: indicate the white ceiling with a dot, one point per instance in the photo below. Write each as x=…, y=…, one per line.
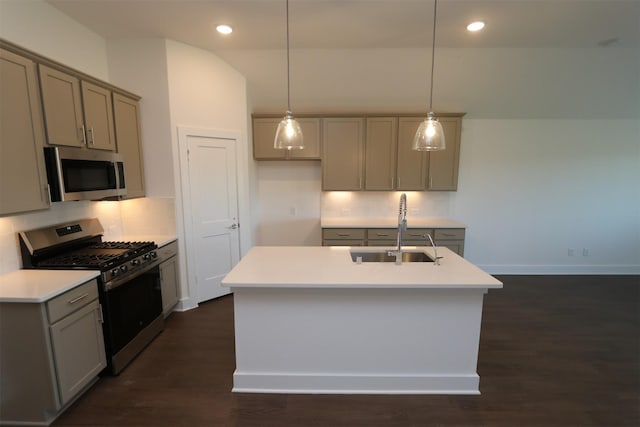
x=369, y=55
x=335, y=24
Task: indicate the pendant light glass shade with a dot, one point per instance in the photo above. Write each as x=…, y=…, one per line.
x=429, y=136
x=289, y=134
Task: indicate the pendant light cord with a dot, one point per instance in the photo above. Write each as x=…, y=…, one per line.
x=433, y=53
x=288, y=76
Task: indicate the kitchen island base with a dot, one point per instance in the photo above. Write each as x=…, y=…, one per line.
x=364, y=340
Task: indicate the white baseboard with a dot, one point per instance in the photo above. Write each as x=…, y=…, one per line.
x=562, y=269
x=321, y=383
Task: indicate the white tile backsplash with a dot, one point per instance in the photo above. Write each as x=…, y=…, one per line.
x=382, y=204
x=137, y=216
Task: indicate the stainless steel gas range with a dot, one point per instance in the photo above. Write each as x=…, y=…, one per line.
x=129, y=284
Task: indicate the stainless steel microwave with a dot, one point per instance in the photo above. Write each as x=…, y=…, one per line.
x=83, y=174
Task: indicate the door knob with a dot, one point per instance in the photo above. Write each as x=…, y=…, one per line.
x=233, y=226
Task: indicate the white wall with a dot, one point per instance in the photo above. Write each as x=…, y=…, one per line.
x=39, y=27
x=531, y=189
x=140, y=66
x=206, y=93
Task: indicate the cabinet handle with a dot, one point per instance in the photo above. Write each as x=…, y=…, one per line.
x=392, y=183
x=398, y=182
x=448, y=235
x=100, y=314
x=84, y=135
x=430, y=182
x=92, y=142
x=47, y=194
x=344, y=234
x=382, y=235
x=76, y=299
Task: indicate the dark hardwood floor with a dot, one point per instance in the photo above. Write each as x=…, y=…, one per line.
x=554, y=351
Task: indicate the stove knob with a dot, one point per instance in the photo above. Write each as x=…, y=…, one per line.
x=115, y=272
x=123, y=268
x=146, y=257
x=153, y=254
x=135, y=262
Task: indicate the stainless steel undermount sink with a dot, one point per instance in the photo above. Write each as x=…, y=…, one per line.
x=384, y=256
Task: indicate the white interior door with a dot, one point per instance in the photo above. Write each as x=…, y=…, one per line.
x=213, y=196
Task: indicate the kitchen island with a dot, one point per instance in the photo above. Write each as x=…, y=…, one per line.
x=311, y=320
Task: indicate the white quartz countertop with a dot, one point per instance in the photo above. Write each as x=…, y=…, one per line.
x=35, y=286
x=388, y=222
x=159, y=239
x=332, y=267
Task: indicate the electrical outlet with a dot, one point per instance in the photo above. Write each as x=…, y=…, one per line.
x=293, y=211
x=571, y=252
x=585, y=252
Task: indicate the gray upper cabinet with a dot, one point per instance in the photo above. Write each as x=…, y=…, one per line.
x=443, y=165
x=98, y=116
x=343, y=153
x=126, y=113
x=435, y=170
x=264, y=132
x=23, y=180
x=412, y=165
x=62, y=102
x=77, y=113
x=380, y=153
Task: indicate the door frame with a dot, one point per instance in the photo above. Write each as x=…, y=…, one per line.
x=189, y=289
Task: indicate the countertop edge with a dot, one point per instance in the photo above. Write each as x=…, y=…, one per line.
x=81, y=276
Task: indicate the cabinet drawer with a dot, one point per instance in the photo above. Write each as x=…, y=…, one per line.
x=416, y=234
x=382, y=233
x=449, y=233
x=342, y=242
x=72, y=300
x=168, y=250
x=343, y=233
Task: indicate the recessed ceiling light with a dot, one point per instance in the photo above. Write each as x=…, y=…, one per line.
x=475, y=26
x=224, y=29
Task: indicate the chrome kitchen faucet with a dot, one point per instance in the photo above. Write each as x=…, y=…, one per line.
x=402, y=226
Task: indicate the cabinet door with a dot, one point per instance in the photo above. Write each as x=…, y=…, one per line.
x=23, y=179
x=443, y=165
x=98, y=117
x=62, y=107
x=380, y=153
x=126, y=114
x=343, y=148
x=78, y=350
x=264, y=132
x=412, y=165
x=169, y=284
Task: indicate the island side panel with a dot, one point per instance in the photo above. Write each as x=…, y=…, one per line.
x=418, y=341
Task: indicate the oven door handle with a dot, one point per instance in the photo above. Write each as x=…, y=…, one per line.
x=118, y=281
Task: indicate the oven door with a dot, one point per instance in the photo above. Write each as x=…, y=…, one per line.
x=132, y=317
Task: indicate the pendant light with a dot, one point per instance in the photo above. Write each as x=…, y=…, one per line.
x=430, y=135
x=289, y=132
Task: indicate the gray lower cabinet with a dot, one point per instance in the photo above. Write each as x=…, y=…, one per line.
x=343, y=237
x=51, y=352
x=169, y=277
x=452, y=238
